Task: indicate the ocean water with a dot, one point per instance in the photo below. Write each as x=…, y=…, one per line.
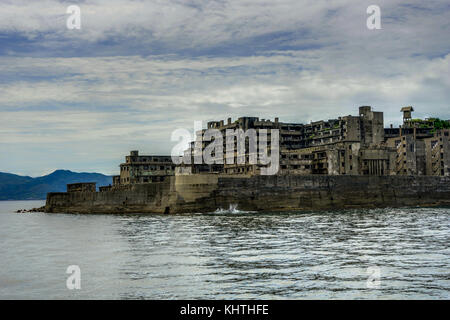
x=228, y=254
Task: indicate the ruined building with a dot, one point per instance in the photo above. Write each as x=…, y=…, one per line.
x=348, y=145
x=144, y=169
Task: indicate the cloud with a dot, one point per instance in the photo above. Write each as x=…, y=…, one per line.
x=139, y=69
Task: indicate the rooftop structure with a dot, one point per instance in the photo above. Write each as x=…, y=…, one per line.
x=81, y=187
x=407, y=112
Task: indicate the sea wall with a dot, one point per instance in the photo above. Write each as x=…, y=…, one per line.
x=203, y=193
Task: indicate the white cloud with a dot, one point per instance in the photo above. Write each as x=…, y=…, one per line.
x=299, y=60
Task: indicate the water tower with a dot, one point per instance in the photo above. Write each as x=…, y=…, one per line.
x=407, y=113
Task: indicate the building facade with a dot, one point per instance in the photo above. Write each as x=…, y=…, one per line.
x=144, y=169
x=348, y=145
x=351, y=145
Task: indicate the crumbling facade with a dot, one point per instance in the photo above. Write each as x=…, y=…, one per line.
x=81, y=187
x=348, y=145
x=144, y=169
x=352, y=145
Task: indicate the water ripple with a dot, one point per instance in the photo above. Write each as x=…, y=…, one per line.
x=227, y=254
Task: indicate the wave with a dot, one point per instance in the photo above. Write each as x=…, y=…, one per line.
x=232, y=209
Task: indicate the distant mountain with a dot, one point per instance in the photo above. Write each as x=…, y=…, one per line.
x=15, y=187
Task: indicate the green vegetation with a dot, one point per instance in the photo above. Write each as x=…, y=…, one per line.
x=440, y=124
x=435, y=123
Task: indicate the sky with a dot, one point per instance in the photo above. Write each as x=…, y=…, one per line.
x=81, y=99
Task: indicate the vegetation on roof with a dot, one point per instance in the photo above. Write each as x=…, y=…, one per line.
x=431, y=123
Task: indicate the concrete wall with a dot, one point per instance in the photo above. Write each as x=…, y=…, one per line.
x=261, y=193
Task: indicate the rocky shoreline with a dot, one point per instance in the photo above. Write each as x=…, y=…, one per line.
x=41, y=209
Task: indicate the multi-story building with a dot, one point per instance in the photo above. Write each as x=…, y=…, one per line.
x=350, y=145
x=422, y=146
x=321, y=147
x=144, y=169
x=438, y=154
x=409, y=156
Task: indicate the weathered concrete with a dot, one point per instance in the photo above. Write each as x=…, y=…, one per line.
x=203, y=193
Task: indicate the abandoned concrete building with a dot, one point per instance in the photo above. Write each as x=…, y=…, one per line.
x=348, y=145
x=82, y=187
x=144, y=169
x=352, y=145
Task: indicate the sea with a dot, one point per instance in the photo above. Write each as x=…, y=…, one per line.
x=389, y=253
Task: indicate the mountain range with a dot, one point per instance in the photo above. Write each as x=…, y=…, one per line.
x=15, y=187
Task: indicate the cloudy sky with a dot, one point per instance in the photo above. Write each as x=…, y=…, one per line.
x=137, y=70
